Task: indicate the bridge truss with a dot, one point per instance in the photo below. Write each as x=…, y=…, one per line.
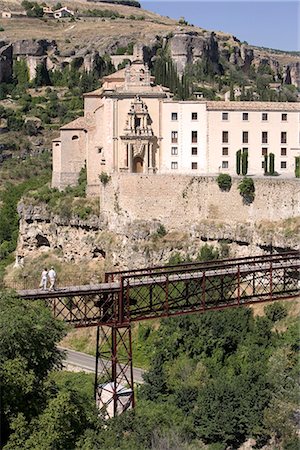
x=163, y=291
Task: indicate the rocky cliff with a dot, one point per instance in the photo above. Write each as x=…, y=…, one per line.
x=134, y=231
x=186, y=45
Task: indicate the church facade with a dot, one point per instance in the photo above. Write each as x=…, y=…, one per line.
x=131, y=125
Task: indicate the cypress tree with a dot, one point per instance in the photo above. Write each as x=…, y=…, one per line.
x=245, y=162
x=271, y=163
x=266, y=164
x=297, y=166
x=238, y=161
x=231, y=97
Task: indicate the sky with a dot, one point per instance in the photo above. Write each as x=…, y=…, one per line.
x=266, y=23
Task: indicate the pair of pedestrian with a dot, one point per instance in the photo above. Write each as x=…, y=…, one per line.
x=51, y=275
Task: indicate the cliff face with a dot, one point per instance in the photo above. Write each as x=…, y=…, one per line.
x=190, y=47
x=6, y=51
x=186, y=47
x=134, y=231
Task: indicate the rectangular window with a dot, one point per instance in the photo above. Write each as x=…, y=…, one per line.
x=224, y=164
x=174, y=150
x=174, y=116
x=264, y=137
x=263, y=165
x=283, y=151
x=284, y=117
x=245, y=137
x=224, y=116
x=264, y=117
x=174, y=137
x=194, y=136
x=194, y=151
x=283, y=165
x=225, y=151
x=225, y=137
x=174, y=165
x=194, y=165
x=283, y=137
x=194, y=116
x=245, y=116
x=264, y=151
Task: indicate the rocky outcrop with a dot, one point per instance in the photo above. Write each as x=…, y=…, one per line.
x=185, y=47
x=32, y=47
x=6, y=62
x=133, y=232
x=190, y=47
x=292, y=74
x=35, y=52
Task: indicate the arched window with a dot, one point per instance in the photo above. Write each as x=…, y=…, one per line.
x=75, y=137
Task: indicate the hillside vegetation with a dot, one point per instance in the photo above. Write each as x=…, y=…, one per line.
x=215, y=381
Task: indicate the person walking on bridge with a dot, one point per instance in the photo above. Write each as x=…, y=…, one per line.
x=52, y=278
x=44, y=277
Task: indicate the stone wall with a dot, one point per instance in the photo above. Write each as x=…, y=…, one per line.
x=146, y=219
x=181, y=202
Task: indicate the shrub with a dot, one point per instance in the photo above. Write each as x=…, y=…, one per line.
x=104, y=178
x=247, y=189
x=161, y=231
x=15, y=123
x=224, y=181
x=31, y=128
x=275, y=311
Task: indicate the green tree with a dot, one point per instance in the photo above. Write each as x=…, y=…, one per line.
x=265, y=164
x=41, y=76
x=21, y=72
x=297, y=166
x=271, y=163
x=28, y=352
x=245, y=162
x=238, y=161
x=247, y=189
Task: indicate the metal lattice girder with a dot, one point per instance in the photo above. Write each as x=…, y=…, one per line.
x=115, y=393
x=164, y=291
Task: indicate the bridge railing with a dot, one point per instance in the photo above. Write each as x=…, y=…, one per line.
x=33, y=282
x=116, y=275
x=166, y=292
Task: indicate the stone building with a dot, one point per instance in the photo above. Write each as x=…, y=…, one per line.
x=131, y=125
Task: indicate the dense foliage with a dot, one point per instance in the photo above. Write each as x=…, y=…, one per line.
x=247, y=189
x=215, y=380
x=18, y=177
x=28, y=336
x=224, y=181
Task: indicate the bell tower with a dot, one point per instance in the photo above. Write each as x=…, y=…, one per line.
x=139, y=139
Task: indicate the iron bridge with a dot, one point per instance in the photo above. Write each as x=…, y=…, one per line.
x=163, y=291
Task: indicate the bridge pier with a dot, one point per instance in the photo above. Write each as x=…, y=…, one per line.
x=113, y=388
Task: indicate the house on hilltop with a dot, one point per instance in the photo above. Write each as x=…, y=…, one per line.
x=62, y=13
x=131, y=125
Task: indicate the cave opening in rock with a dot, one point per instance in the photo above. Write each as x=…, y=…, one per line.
x=42, y=241
x=98, y=252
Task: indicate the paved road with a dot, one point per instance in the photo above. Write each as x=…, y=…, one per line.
x=87, y=363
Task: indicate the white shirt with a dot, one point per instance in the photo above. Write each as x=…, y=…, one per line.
x=52, y=273
x=44, y=274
